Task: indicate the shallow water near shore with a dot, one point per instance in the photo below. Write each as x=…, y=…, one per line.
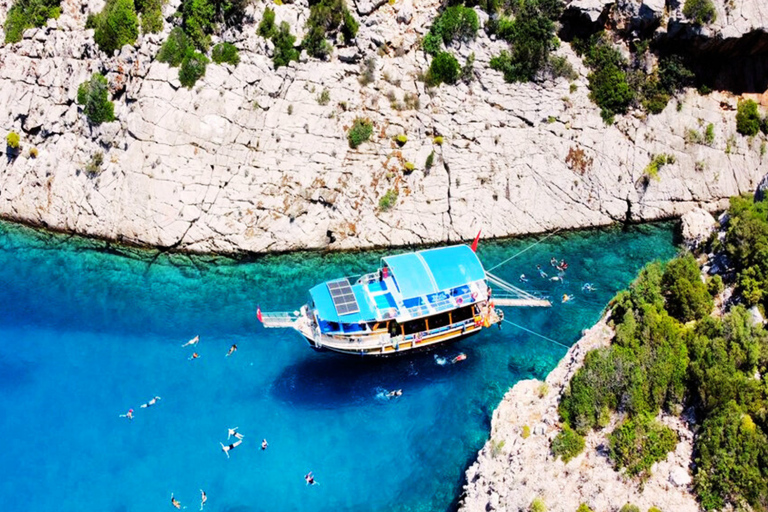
x=86, y=334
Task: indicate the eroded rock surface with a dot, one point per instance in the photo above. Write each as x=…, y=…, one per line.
x=249, y=160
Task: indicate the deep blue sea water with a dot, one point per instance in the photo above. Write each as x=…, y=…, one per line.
x=88, y=331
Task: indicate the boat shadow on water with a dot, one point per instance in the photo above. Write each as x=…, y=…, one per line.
x=331, y=380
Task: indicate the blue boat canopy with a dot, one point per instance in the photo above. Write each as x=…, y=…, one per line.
x=433, y=270
x=326, y=309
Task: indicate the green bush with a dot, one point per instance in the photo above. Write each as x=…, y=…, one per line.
x=686, y=295
x=567, y=444
x=638, y=443
x=175, y=48
x=747, y=118
x=361, y=131
x=325, y=97
x=700, y=11
x=629, y=508
x=115, y=26
x=430, y=161
x=584, y=508
x=443, y=69
x=715, y=285
x=537, y=505
x=608, y=84
x=192, y=69
x=401, y=139
x=457, y=22
x=284, y=50
x=93, y=96
x=12, y=140
x=388, y=200
x=327, y=18
x=657, y=162
x=25, y=14
x=559, y=67
x=151, y=15
x=225, y=52
x=93, y=167
x=267, y=27
x=709, y=134
x=202, y=18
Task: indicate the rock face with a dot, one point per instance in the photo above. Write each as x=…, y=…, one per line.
x=696, y=226
x=511, y=471
x=249, y=160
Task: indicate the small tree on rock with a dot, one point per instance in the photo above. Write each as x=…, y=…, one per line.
x=93, y=96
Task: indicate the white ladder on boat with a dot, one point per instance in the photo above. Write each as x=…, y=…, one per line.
x=279, y=319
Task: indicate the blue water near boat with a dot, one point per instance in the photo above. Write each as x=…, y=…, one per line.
x=88, y=331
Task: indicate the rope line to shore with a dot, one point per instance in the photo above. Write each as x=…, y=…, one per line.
x=521, y=252
x=536, y=334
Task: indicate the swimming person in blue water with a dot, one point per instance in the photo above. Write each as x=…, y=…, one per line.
x=394, y=394
x=541, y=272
x=232, y=350
x=128, y=415
x=150, y=403
x=232, y=432
x=309, y=478
x=175, y=502
x=193, y=341
x=203, y=499
x=264, y=444
x=227, y=448
x=523, y=279
x=588, y=287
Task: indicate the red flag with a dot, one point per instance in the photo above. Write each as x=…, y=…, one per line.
x=258, y=314
x=477, y=239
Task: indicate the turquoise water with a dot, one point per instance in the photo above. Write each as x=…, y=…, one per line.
x=88, y=331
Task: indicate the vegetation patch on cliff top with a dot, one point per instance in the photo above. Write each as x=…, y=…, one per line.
x=25, y=14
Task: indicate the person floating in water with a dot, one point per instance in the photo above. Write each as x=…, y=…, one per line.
x=458, y=358
x=394, y=394
x=264, y=444
x=567, y=298
x=227, y=448
x=232, y=432
x=203, y=499
x=309, y=478
x=440, y=360
x=175, y=502
x=150, y=403
x=541, y=272
x=193, y=341
x=232, y=350
x=523, y=279
x=553, y=261
x=128, y=415
x=194, y=355
x=588, y=287
x=556, y=278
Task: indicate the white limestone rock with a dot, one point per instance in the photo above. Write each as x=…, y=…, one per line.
x=696, y=226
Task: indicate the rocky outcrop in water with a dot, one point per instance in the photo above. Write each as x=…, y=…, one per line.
x=248, y=160
x=512, y=470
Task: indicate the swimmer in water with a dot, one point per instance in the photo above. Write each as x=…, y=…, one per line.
x=553, y=261
x=395, y=394
x=556, y=278
x=523, y=279
x=203, y=499
x=541, y=272
x=150, y=403
x=232, y=350
x=193, y=341
x=458, y=358
x=128, y=415
x=232, y=432
x=309, y=478
x=175, y=502
x=566, y=298
x=227, y=448
x=194, y=355
x=440, y=360
x=264, y=444
x=588, y=287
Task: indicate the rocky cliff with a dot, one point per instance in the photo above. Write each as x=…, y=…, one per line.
x=249, y=161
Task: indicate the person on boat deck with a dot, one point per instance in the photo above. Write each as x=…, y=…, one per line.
x=232, y=350
x=193, y=341
x=232, y=432
x=395, y=393
x=523, y=279
x=175, y=502
x=541, y=272
x=309, y=478
x=460, y=357
x=264, y=444
x=226, y=448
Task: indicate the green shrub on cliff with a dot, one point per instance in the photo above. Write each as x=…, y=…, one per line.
x=567, y=444
x=747, y=118
x=443, y=69
x=225, y=52
x=700, y=11
x=639, y=442
x=284, y=49
x=327, y=18
x=115, y=26
x=608, y=84
x=202, y=18
x=267, y=28
x=192, y=69
x=12, y=140
x=175, y=48
x=687, y=297
x=25, y=14
x=456, y=22
x=93, y=96
x=361, y=131
x=151, y=15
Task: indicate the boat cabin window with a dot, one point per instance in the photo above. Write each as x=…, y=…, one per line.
x=462, y=314
x=415, y=326
x=351, y=328
x=437, y=321
x=326, y=326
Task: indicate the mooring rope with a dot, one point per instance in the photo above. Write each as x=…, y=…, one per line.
x=536, y=334
x=521, y=252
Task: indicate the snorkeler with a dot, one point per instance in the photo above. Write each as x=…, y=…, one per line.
x=566, y=298
x=309, y=478
x=232, y=350
x=394, y=394
x=440, y=360
x=150, y=403
x=556, y=278
x=203, y=499
x=553, y=261
x=541, y=272
x=264, y=444
x=588, y=287
x=232, y=432
x=523, y=279
x=175, y=502
x=193, y=341
x=226, y=448
x=194, y=355
x=128, y=415
x=458, y=358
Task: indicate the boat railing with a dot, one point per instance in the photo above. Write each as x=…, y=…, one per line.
x=279, y=319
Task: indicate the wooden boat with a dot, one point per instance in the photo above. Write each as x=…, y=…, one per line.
x=415, y=300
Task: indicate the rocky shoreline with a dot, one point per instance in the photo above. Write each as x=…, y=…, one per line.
x=249, y=161
x=513, y=469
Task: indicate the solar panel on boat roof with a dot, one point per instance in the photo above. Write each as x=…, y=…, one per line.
x=343, y=297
